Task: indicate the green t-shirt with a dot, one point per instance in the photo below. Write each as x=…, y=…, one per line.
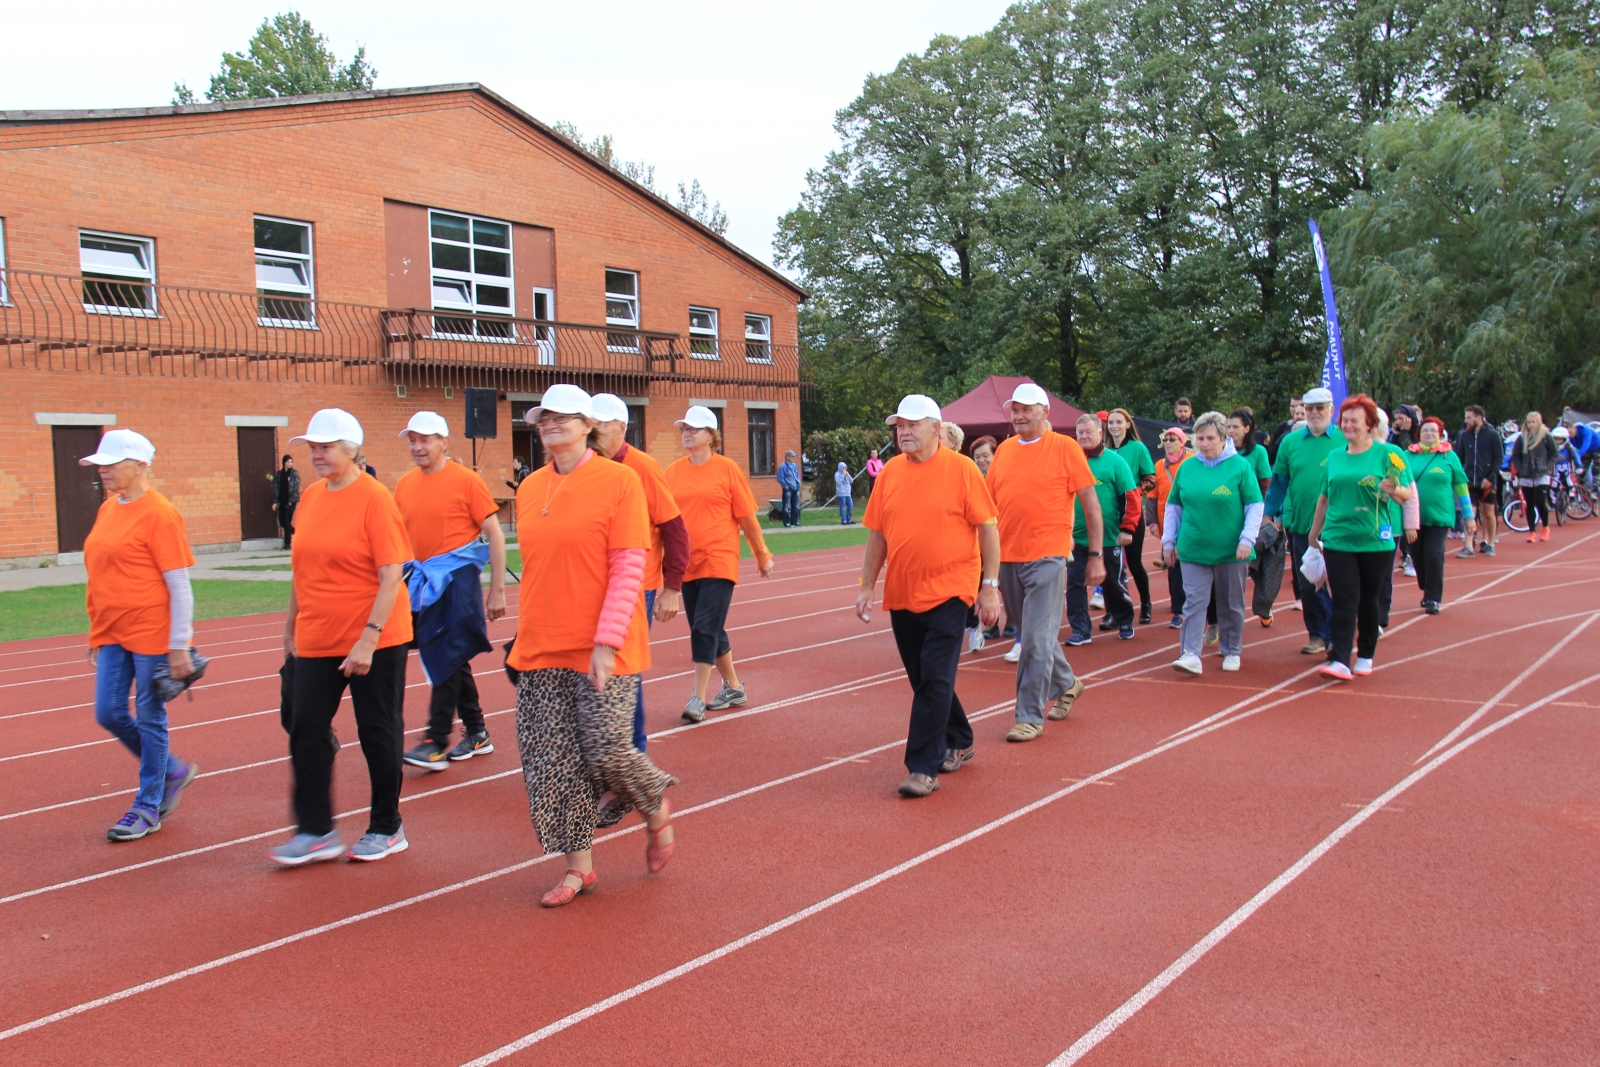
x=1112, y=482
x=1301, y=458
x=1138, y=459
x=1440, y=479
x=1213, y=501
x=1259, y=462
x=1359, y=512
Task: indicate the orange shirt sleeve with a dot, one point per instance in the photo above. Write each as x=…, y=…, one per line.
x=169, y=543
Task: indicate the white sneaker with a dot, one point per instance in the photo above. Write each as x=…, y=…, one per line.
x=1097, y=602
x=1362, y=668
x=1187, y=662
x=1015, y=653
x=1230, y=663
x=975, y=639
x=1410, y=568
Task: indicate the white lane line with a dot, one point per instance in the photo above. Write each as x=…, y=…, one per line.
x=780, y=652
x=1130, y=1007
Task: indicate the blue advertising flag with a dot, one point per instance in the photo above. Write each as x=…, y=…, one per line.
x=1333, y=361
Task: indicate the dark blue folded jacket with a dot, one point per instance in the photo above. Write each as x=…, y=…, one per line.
x=453, y=628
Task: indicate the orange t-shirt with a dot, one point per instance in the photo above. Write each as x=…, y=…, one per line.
x=443, y=511
x=125, y=553
x=1034, y=487
x=930, y=513
x=341, y=538
x=658, y=499
x=566, y=525
x=713, y=497
x=1164, y=476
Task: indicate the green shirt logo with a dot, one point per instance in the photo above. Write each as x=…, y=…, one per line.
x=1222, y=490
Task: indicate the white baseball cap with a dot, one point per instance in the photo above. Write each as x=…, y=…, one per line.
x=427, y=422
x=916, y=406
x=609, y=407
x=563, y=400
x=330, y=425
x=118, y=445
x=699, y=418
x=1317, y=396
x=1029, y=393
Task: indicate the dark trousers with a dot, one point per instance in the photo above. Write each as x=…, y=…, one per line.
x=286, y=520
x=639, y=738
x=379, y=700
x=705, y=602
x=1428, y=555
x=930, y=647
x=459, y=691
x=1356, y=579
x=1119, y=609
x=1386, y=591
x=1315, y=603
x=791, y=507
x=1133, y=558
x=1536, y=505
x=1175, y=588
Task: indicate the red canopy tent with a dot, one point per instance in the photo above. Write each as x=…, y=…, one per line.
x=981, y=412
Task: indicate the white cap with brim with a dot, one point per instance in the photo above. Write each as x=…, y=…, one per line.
x=1029, y=393
x=429, y=423
x=330, y=425
x=1317, y=396
x=698, y=417
x=609, y=407
x=118, y=445
x=914, y=407
x=563, y=400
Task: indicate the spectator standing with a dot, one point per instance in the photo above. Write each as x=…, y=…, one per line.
x=874, y=466
x=1480, y=450
x=285, y=496
x=1533, y=463
x=1123, y=439
x=1297, y=477
x=1119, y=512
x=1182, y=410
x=843, y=489
x=1441, y=485
x=789, y=483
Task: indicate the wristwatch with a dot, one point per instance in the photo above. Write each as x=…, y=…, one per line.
x=991, y=582
x=1096, y=555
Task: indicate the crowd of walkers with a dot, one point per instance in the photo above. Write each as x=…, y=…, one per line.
x=610, y=541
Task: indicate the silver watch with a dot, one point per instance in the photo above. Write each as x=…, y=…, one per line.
x=993, y=583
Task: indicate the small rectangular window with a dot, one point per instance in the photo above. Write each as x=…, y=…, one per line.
x=284, y=290
x=762, y=423
x=758, y=338
x=635, y=432
x=471, y=260
x=119, y=273
x=622, y=308
x=4, y=294
x=703, y=333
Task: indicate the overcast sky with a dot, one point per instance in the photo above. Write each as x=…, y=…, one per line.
x=739, y=95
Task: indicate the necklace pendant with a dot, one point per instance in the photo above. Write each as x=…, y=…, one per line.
x=544, y=511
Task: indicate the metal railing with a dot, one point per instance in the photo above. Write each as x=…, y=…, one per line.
x=72, y=324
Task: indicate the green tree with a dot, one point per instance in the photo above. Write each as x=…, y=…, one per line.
x=692, y=199
x=286, y=57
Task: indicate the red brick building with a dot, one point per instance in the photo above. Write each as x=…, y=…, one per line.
x=210, y=275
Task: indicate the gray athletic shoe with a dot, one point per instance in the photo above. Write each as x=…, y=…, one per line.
x=376, y=846
x=308, y=848
x=727, y=697
x=134, y=825
x=695, y=710
x=176, y=783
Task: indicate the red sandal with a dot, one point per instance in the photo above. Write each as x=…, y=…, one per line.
x=656, y=856
x=564, y=893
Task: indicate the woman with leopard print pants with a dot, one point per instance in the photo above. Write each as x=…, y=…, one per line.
x=582, y=642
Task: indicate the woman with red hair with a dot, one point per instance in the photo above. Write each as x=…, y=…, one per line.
x=1441, y=484
x=1353, y=524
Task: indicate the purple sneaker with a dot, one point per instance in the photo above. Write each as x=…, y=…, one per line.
x=176, y=781
x=134, y=825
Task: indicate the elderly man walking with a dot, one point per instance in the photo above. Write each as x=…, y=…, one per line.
x=931, y=518
x=1297, y=476
x=1034, y=477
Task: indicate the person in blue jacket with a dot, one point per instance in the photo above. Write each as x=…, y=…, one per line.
x=789, y=482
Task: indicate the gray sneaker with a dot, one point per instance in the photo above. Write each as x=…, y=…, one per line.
x=695, y=710
x=1466, y=553
x=376, y=846
x=727, y=697
x=919, y=785
x=1487, y=549
x=308, y=848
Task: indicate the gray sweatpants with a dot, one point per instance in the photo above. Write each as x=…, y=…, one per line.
x=1033, y=593
x=1198, y=581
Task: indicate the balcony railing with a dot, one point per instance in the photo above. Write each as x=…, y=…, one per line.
x=70, y=324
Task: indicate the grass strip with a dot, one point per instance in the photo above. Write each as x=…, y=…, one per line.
x=55, y=610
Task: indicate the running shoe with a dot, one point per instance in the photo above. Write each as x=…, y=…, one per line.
x=1409, y=569
x=1025, y=731
x=134, y=825
x=1108, y=623
x=1230, y=663
x=1467, y=552
x=1144, y=614
x=695, y=710
x=1176, y=623
x=1314, y=647
x=1074, y=640
x=176, y=781
x=1063, y=705
x=975, y=639
x=1431, y=607
x=1188, y=663
x=1363, y=667
x=727, y=697
x=1211, y=634
x=1544, y=534
x=1532, y=537
x=1097, y=601
x=1126, y=631
x=919, y=785
x=1014, y=653
x=477, y=744
x=1266, y=623
x=376, y=846
x=430, y=756
x=1487, y=549
x=1337, y=671
x=954, y=758
x=308, y=848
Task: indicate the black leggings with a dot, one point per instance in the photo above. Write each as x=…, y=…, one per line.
x=1356, y=580
x=705, y=603
x=1536, y=502
x=1133, y=556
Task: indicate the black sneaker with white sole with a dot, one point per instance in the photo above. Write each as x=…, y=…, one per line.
x=477, y=744
x=430, y=756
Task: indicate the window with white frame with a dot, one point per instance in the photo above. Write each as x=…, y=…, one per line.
x=703, y=333
x=471, y=259
x=622, y=308
x=119, y=273
x=284, y=282
x=758, y=338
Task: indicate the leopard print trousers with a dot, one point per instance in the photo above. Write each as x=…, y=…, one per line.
x=577, y=744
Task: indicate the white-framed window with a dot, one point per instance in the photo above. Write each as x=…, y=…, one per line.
x=119, y=273
x=471, y=259
x=4, y=295
x=285, y=285
x=544, y=310
x=758, y=338
x=622, y=308
x=703, y=333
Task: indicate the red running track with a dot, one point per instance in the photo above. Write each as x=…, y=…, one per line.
x=1248, y=868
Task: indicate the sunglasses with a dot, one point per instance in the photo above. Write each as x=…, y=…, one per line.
x=555, y=417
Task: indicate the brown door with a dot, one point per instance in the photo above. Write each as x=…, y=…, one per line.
x=78, y=495
x=258, y=447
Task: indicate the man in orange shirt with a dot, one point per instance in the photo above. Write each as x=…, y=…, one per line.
x=931, y=519
x=1034, y=477
x=446, y=507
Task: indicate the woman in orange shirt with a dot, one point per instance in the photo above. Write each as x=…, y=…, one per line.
x=141, y=611
x=1174, y=443
x=582, y=642
x=715, y=498
x=348, y=627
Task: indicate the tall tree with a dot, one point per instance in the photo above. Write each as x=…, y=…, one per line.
x=286, y=57
x=692, y=199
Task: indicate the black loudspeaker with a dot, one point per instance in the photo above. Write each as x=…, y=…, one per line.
x=482, y=408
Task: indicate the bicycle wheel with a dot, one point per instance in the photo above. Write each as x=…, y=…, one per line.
x=1514, y=517
x=1580, y=505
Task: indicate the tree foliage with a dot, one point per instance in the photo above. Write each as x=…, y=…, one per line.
x=692, y=199
x=286, y=57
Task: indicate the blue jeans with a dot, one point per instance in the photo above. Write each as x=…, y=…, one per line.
x=116, y=671
x=791, y=507
x=1316, y=604
x=639, y=739
x=845, y=506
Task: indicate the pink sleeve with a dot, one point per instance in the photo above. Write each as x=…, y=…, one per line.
x=625, y=580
